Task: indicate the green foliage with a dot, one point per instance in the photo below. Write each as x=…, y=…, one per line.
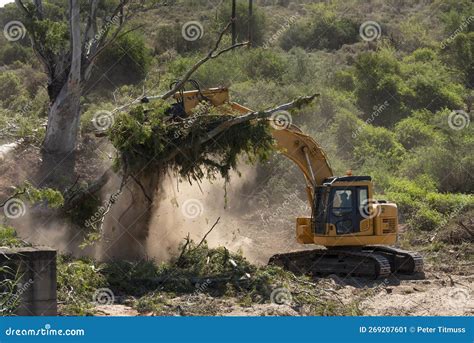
x=146, y=137
x=420, y=204
x=454, y=13
x=324, y=30
x=414, y=132
x=10, y=89
x=460, y=53
x=419, y=81
x=78, y=280
x=28, y=192
x=8, y=238
x=125, y=61
x=9, y=299
x=170, y=37
x=261, y=63
x=11, y=53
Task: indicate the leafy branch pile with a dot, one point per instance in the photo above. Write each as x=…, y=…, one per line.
x=147, y=137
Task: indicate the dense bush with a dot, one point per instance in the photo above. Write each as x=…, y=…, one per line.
x=418, y=81
x=324, y=30
x=125, y=61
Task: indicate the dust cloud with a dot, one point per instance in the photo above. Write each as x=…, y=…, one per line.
x=192, y=209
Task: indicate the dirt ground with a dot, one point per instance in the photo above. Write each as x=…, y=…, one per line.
x=437, y=294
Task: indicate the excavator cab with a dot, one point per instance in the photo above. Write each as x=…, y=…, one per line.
x=345, y=214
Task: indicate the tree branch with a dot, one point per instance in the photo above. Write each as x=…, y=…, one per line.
x=22, y=8
x=298, y=103
x=213, y=53
x=207, y=233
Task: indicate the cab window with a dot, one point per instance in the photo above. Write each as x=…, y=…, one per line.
x=342, y=199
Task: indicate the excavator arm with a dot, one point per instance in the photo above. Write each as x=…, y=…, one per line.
x=306, y=154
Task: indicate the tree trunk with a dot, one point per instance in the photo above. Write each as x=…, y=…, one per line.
x=64, y=115
x=58, y=148
x=126, y=226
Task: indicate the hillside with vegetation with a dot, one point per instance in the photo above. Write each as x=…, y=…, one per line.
x=395, y=94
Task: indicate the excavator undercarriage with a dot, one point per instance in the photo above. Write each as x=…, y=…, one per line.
x=367, y=261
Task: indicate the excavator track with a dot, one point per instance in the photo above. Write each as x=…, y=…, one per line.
x=369, y=261
x=401, y=261
x=354, y=262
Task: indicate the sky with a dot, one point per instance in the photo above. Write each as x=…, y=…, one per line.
x=3, y=2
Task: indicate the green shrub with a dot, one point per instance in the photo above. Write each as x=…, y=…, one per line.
x=425, y=219
x=11, y=89
x=78, y=280
x=412, y=132
x=9, y=238
x=324, y=30
x=125, y=61
x=460, y=52
x=418, y=81
x=266, y=64
x=15, y=53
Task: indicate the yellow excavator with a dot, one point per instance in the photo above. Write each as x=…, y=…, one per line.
x=355, y=229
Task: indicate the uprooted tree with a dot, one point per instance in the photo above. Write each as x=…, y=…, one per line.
x=205, y=146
